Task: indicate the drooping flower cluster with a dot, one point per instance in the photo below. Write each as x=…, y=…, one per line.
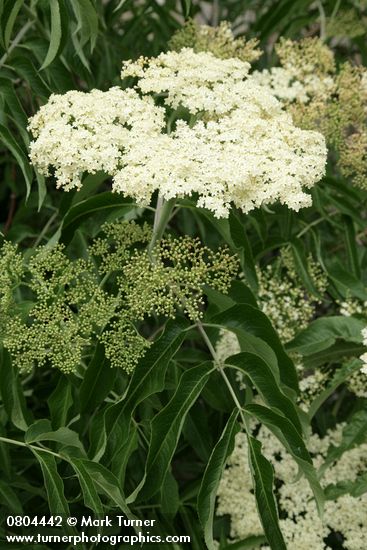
x=302, y=528
x=284, y=299
x=320, y=97
x=220, y=136
x=357, y=382
x=73, y=303
x=364, y=356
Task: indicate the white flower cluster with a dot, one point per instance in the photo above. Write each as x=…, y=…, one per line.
x=227, y=345
x=364, y=356
x=351, y=306
x=357, y=382
x=284, y=300
x=240, y=146
x=287, y=85
x=300, y=523
x=235, y=495
x=198, y=81
x=311, y=383
x=86, y=132
x=306, y=72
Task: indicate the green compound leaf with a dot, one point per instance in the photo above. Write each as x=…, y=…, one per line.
x=293, y=442
x=147, y=379
x=105, y=483
x=355, y=488
x=263, y=379
x=9, y=499
x=254, y=321
x=167, y=426
x=323, y=333
x=97, y=382
x=53, y=483
x=24, y=67
x=9, y=142
x=87, y=18
x=60, y=402
x=301, y=265
x=240, y=240
x=14, y=105
x=86, y=208
x=354, y=433
x=11, y=21
x=263, y=480
x=56, y=34
x=87, y=484
x=212, y=476
x=351, y=246
x=11, y=393
x=41, y=430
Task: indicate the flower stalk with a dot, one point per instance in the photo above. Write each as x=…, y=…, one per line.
x=162, y=215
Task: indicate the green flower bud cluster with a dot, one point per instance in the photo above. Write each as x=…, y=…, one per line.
x=11, y=272
x=53, y=308
x=64, y=309
x=307, y=56
x=349, y=23
x=115, y=247
x=176, y=278
x=217, y=40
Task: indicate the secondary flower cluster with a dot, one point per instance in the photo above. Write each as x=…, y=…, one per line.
x=320, y=97
x=283, y=298
x=217, y=40
x=302, y=528
x=357, y=383
x=194, y=124
x=71, y=303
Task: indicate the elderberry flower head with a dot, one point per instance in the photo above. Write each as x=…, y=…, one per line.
x=219, y=136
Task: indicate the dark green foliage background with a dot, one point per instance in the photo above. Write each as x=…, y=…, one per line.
x=108, y=448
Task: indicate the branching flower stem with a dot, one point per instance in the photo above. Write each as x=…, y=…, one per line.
x=219, y=367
